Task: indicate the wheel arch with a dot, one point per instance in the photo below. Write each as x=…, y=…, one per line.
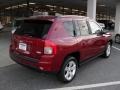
x=73, y=54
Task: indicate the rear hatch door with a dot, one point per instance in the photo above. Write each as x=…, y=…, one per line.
x=29, y=37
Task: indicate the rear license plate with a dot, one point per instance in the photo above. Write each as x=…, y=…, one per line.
x=23, y=46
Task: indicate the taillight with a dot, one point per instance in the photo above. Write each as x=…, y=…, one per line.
x=50, y=48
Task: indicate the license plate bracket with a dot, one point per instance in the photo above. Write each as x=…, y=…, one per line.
x=23, y=46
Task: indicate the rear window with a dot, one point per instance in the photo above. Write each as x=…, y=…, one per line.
x=17, y=23
x=34, y=28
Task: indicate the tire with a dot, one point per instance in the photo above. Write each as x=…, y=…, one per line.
x=68, y=70
x=107, y=51
x=117, y=38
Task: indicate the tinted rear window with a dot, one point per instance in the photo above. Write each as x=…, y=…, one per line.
x=34, y=28
x=17, y=23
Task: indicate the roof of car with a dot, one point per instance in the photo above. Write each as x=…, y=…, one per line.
x=52, y=17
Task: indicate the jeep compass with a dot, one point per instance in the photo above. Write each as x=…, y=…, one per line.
x=58, y=44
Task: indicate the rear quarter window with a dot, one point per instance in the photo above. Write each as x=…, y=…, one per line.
x=17, y=23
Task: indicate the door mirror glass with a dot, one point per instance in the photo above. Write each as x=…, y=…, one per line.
x=99, y=32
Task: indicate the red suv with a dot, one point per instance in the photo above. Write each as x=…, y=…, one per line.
x=58, y=44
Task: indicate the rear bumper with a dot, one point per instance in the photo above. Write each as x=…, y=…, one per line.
x=44, y=64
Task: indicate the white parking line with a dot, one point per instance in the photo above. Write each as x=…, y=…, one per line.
x=88, y=86
x=116, y=48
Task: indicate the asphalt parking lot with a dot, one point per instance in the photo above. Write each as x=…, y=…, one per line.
x=16, y=77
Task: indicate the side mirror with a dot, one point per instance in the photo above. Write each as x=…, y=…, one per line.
x=103, y=27
x=107, y=32
x=99, y=32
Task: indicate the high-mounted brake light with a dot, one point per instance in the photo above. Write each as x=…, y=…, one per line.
x=50, y=48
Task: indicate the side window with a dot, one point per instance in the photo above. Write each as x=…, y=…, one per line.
x=77, y=29
x=94, y=27
x=68, y=25
x=83, y=28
